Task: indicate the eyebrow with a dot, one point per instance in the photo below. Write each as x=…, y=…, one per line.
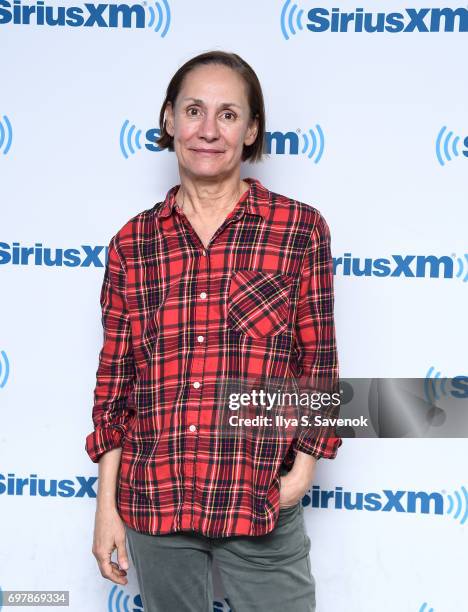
x=201, y=103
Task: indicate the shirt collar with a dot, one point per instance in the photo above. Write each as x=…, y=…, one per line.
x=257, y=199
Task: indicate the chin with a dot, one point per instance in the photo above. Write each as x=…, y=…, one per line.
x=204, y=171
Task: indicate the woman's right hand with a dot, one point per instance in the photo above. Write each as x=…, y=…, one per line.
x=109, y=534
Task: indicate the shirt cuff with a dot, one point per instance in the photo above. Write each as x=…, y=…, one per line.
x=319, y=447
x=103, y=439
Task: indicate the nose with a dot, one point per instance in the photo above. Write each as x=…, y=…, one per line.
x=208, y=127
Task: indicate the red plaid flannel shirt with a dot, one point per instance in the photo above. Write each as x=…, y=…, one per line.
x=177, y=318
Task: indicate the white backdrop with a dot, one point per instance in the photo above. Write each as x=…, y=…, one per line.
x=390, y=182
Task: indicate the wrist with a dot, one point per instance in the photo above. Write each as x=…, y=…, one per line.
x=297, y=483
x=106, y=504
x=302, y=475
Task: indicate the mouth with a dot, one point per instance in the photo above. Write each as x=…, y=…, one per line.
x=207, y=151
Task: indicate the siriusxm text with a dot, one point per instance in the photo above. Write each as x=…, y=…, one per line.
x=38, y=255
x=410, y=20
x=384, y=501
x=88, y=15
x=412, y=266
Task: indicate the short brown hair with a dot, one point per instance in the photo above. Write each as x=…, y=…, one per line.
x=253, y=152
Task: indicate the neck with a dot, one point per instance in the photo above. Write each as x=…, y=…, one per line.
x=207, y=198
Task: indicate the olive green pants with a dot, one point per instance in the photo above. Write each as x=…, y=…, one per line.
x=269, y=572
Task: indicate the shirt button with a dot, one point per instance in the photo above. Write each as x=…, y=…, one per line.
x=203, y=295
x=204, y=253
x=200, y=338
x=196, y=384
x=193, y=428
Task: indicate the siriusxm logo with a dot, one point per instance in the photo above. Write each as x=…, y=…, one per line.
x=153, y=15
x=360, y=20
x=33, y=486
x=85, y=257
x=409, y=266
x=309, y=142
x=410, y=502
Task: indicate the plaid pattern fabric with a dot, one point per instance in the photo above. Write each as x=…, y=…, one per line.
x=177, y=319
x=258, y=302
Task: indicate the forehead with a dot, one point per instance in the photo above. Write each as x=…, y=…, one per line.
x=214, y=82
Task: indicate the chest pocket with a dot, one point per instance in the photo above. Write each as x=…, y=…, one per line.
x=258, y=303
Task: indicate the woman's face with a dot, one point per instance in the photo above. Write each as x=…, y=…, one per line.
x=210, y=122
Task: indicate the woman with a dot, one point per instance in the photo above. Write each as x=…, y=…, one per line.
x=221, y=281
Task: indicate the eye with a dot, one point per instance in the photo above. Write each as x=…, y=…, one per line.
x=192, y=108
x=230, y=113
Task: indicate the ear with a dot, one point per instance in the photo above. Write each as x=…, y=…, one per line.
x=252, y=131
x=169, y=119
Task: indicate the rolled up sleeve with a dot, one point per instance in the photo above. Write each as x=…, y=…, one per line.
x=315, y=334
x=115, y=376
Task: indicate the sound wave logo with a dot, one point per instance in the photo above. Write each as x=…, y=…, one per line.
x=6, y=134
x=118, y=601
x=447, y=146
x=424, y=608
x=434, y=386
x=462, y=271
x=458, y=505
x=159, y=18
x=4, y=369
x=313, y=144
x=289, y=18
x=129, y=139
